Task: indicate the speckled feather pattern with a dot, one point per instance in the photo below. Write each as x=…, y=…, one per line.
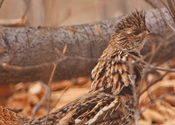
x=8, y=117
x=92, y=109
x=136, y=19
x=114, y=73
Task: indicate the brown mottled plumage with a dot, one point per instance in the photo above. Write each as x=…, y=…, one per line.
x=92, y=109
x=8, y=117
x=115, y=72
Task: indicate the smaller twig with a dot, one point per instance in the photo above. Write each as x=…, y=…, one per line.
x=58, y=100
x=169, y=10
x=165, y=21
x=158, y=68
x=49, y=94
x=99, y=33
x=1, y=3
x=50, y=80
x=64, y=50
x=149, y=94
x=154, y=82
x=15, y=22
x=171, y=5
x=18, y=68
x=43, y=99
x=154, y=51
x=135, y=95
x=151, y=3
x=156, y=100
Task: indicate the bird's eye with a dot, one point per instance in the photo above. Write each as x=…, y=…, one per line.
x=135, y=32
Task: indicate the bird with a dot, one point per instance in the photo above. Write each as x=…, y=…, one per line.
x=118, y=71
x=115, y=78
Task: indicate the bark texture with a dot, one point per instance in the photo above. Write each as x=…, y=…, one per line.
x=27, y=54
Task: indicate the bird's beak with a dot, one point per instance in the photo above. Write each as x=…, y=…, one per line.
x=152, y=35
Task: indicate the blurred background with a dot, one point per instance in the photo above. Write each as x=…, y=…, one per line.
x=68, y=12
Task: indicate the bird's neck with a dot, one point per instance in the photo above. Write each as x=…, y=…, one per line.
x=111, y=50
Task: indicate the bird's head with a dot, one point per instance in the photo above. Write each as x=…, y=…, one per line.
x=131, y=33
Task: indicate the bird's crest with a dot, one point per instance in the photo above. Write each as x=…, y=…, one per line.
x=136, y=19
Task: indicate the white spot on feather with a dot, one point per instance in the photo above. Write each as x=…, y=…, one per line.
x=101, y=112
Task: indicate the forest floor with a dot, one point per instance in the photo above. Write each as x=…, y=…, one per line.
x=161, y=109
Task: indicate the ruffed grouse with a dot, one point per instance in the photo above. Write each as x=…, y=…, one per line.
x=116, y=72
x=114, y=80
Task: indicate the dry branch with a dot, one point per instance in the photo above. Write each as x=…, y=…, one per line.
x=28, y=54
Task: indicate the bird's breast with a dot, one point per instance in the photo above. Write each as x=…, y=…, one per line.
x=115, y=73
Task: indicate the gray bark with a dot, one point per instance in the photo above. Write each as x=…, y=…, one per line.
x=30, y=52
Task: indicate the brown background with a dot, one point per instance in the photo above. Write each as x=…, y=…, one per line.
x=68, y=12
